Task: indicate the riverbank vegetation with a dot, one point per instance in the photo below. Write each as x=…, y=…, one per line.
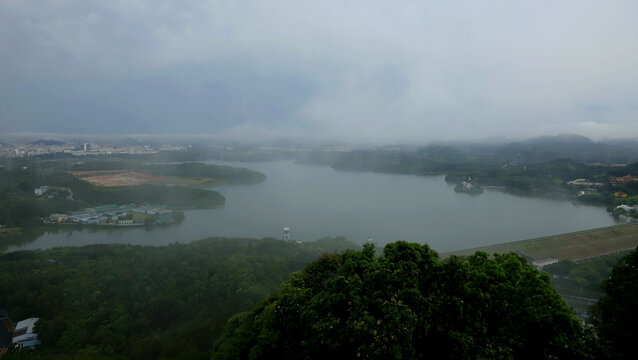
x=218, y=173
x=215, y=174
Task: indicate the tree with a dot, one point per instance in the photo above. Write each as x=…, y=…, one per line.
x=407, y=304
x=616, y=314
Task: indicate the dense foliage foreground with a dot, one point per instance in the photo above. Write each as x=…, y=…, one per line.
x=175, y=302
x=407, y=304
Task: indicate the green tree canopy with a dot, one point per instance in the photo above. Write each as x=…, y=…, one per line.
x=616, y=314
x=408, y=304
x=144, y=302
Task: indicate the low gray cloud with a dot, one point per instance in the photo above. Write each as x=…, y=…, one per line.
x=364, y=71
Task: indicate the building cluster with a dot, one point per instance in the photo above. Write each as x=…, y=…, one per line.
x=96, y=149
x=613, y=181
x=116, y=215
x=80, y=149
x=24, y=335
x=585, y=182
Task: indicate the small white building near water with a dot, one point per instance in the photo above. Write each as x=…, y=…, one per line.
x=24, y=335
x=627, y=207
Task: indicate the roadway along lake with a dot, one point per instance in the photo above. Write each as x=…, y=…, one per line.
x=317, y=201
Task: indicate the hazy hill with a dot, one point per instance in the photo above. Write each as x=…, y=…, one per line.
x=575, y=147
x=631, y=144
x=48, y=142
x=631, y=169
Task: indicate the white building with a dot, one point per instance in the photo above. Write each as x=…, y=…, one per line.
x=24, y=334
x=625, y=207
x=41, y=190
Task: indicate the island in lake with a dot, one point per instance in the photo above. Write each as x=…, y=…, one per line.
x=468, y=188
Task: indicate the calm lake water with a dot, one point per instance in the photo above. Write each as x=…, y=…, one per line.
x=317, y=201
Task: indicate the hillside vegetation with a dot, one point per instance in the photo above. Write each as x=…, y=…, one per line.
x=133, y=302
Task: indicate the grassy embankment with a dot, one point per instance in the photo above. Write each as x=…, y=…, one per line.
x=576, y=246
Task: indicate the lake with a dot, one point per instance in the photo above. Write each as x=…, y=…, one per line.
x=318, y=201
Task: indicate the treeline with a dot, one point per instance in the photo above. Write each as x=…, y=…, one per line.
x=434, y=162
x=535, y=178
x=548, y=178
x=133, y=302
x=220, y=173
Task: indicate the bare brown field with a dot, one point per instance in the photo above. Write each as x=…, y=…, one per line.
x=89, y=173
x=575, y=246
x=130, y=178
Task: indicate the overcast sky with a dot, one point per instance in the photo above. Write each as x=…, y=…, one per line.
x=360, y=71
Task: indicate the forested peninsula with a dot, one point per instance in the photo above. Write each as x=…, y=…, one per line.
x=70, y=184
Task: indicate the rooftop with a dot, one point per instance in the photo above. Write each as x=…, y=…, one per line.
x=27, y=324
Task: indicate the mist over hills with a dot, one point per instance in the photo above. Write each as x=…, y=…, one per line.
x=545, y=148
x=573, y=147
